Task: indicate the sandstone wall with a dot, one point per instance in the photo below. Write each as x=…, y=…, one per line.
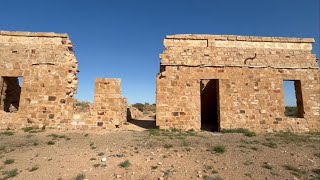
x=250, y=72
x=48, y=66
x=109, y=107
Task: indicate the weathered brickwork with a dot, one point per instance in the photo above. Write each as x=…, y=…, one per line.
x=109, y=107
x=249, y=74
x=48, y=68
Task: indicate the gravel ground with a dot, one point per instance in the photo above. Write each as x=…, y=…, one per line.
x=155, y=154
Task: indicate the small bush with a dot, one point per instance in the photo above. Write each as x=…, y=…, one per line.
x=10, y=174
x=125, y=164
x=220, y=149
x=7, y=133
x=35, y=143
x=317, y=155
x=80, y=177
x=270, y=144
x=50, y=142
x=92, y=159
x=8, y=161
x=245, y=132
x=317, y=172
x=215, y=177
x=56, y=136
x=27, y=129
x=294, y=170
x=154, y=167
x=168, y=146
x=33, y=130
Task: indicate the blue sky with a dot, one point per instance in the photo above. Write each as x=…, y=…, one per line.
x=123, y=39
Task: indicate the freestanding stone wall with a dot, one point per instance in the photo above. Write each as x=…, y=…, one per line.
x=109, y=107
x=48, y=68
x=245, y=75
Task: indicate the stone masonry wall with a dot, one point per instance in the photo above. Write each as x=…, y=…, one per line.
x=250, y=72
x=48, y=66
x=109, y=107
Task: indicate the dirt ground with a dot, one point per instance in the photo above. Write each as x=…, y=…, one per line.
x=135, y=153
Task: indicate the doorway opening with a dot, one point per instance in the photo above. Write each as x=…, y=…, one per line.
x=10, y=92
x=210, y=116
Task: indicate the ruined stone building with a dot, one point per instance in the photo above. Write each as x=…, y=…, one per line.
x=37, y=78
x=224, y=82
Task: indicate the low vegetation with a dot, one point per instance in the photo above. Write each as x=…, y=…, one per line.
x=58, y=136
x=7, y=133
x=145, y=107
x=10, y=174
x=295, y=171
x=50, y=142
x=33, y=130
x=8, y=161
x=245, y=132
x=82, y=106
x=220, y=149
x=125, y=164
x=270, y=144
x=80, y=177
x=167, y=146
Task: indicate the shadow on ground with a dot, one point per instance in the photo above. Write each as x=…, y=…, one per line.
x=147, y=124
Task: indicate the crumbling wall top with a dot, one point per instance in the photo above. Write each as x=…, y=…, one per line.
x=240, y=38
x=32, y=34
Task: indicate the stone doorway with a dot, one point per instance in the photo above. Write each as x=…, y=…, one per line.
x=210, y=105
x=10, y=91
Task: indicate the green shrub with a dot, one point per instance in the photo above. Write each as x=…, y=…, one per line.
x=167, y=146
x=245, y=132
x=80, y=177
x=10, y=174
x=50, y=142
x=8, y=161
x=27, y=129
x=125, y=164
x=270, y=144
x=7, y=133
x=220, y=149
x=294, y=170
